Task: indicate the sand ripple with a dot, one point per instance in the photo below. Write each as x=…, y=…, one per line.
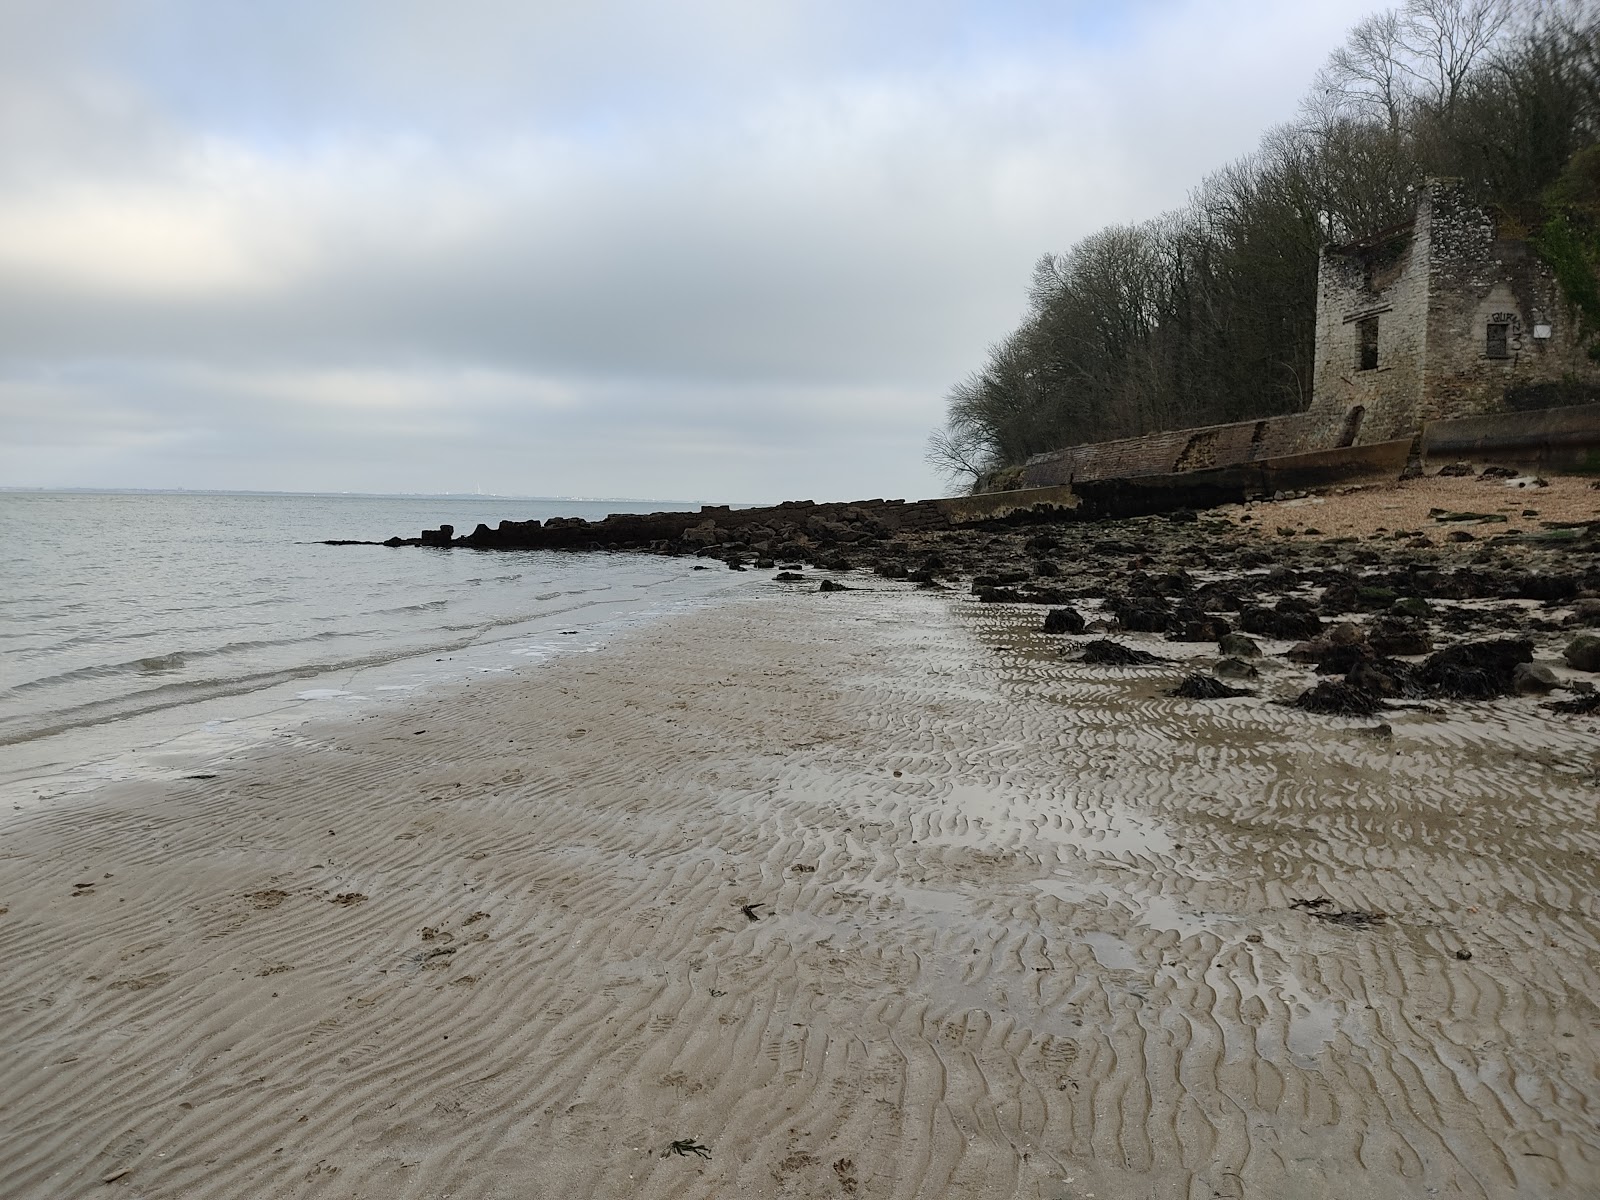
x=1023, y=928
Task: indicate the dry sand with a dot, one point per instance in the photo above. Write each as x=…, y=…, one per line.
x=1408, y=507
x=1026, y=929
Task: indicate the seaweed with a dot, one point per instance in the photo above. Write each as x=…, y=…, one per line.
x=1103, y=652
x=1199, y=686
x=1337, y=698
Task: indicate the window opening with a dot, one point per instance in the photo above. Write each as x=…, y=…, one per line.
x=1367, y=338
x=1498, y=332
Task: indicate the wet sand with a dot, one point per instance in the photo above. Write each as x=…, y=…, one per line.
x=1022, y=928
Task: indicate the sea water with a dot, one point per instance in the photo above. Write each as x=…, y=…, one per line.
x=146, y=631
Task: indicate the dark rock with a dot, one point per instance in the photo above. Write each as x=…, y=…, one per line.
x=1583, y=653
x=1190, y=624
x=1237, y=668
x=1549, y=588
x=828, y=585
x=1237, y=645
x=1140, y=614
x=1533, y=679
x=1063, y=620
x=787, y=577
x=1389, y=636
x=1199, y=686
x=999, y=595
x=1498, y=472
x=1457, y=470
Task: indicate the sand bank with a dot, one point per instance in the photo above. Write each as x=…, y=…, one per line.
x=868, y=894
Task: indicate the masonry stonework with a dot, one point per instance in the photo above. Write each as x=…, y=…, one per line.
x=1467, y=323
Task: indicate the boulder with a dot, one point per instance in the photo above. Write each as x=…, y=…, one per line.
x=1063, y=620
x=1583, y=653
x=1533, y=679
x=1237, y=645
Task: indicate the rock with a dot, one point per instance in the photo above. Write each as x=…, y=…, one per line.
x=1583, y=653
x=789, y=577
x=1411, y=606
x=1291, y=620
x=1494, y=472
x=1456, y=470
x=999, y=595
x=1237, y=668
x=1140, y=614
x=1384, y=677
x=829, y=585
x=1396, y=635
x=1190, y=624
x=1477, y=670
x=1063, y=620
x=1237, y=645
x=1586, y=612
x=1533, y=679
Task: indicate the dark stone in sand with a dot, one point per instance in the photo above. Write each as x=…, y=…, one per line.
x=1105, y=653
x=1063, y=620
x=1190, y=624
x=1339, y=659
x=1392, y=635
x=1140, y=614
x=1583, y=653
x=998, y=595
x=1475, y=670
x=829, y=585
x=1533, y=679
x=1237, y=645
x=1199, y=686
x=788, y=577
x=1549, y=588
x=1339, y=698
x=1237, y=668
x=1456, y=470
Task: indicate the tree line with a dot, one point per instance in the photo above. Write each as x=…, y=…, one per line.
x=1207, y=314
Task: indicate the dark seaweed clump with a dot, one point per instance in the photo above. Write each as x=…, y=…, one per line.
x=1582, y=706
x=1475, y=670
x=1340, y=699
x=1102, y=652
x=1199, y=686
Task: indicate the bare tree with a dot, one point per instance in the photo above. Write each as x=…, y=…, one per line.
x=1443, y=39
x=1367, y=76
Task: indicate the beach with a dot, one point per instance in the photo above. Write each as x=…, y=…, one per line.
x=870, y=893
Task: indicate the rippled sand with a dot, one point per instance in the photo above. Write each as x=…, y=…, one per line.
x=1025, y=928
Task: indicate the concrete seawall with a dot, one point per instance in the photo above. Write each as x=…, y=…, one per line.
x=1564, y=438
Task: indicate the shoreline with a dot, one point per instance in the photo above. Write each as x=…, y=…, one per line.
x=1022, y=927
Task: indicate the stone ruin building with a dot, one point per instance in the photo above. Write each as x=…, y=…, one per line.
x=1438, y=333
x=1436, y=319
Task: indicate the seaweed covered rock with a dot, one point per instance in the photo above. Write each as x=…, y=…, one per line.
x=1291, y=620
x=1140, y=614
x=1338, y=698
x=1384, y=677
x=1200, y=686
x=1475, y=670
x=1102, y=652
x=1191, y=624
x=1237, y=668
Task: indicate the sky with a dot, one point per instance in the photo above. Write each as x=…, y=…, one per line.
x=725, y=250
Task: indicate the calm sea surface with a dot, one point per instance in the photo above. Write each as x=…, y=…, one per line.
x=132, y=620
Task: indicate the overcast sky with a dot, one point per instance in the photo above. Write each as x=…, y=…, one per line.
x=701, y=249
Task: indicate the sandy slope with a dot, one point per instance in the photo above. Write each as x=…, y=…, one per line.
x=1026, y=929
